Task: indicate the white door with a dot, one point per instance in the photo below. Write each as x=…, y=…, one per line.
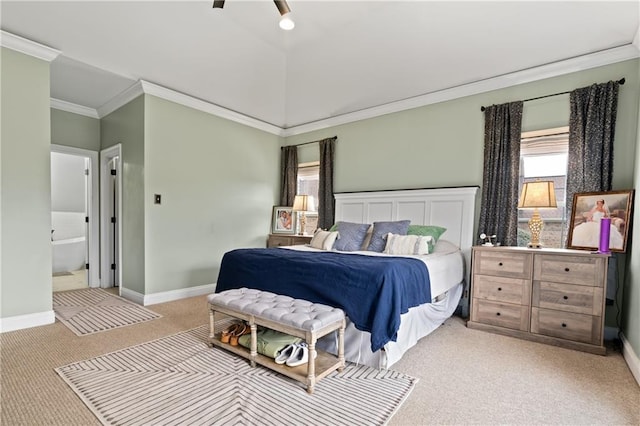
x=110, y=229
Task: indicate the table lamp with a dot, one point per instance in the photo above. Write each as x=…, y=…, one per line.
x=537, y=195
x=303, y=204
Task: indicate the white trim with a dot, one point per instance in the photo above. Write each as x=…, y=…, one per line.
x=631, y=358
x=28, y=47
x=131, y=295
x=181, y=293
x=580, y=63
x=74, y=108
x=121, y=99
x=19, y=322
x=636, y=39
x=195, y=103
x=94, y=210
x=105, y=215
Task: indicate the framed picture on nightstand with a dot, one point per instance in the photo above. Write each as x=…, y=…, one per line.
x=283, y=220
x=590, y=209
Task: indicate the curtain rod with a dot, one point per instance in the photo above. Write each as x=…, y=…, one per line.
x=621, y=82
x=307, y=143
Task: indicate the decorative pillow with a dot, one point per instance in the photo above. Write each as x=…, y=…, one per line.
x=323, y=240
x=431, y=230
x=380, y=231
x=350, y=236
x=408, y=244
x=367, y=238
x=334, y=227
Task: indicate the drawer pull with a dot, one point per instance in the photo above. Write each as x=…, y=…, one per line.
x=499, y=288
x=566, y=269
x=500, y=264
x=565, y=297
x=498, y=313
x=564, y=325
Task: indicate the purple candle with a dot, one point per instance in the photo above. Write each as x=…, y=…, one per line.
x=605, y=229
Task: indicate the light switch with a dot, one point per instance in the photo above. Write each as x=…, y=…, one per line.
x=157, y=199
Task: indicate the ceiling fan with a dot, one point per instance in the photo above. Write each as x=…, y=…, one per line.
x=286, y=23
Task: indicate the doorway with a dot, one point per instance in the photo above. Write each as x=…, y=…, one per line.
x=111, y=212
x=74, y=218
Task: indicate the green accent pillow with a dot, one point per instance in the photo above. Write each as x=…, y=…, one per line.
x=333, y=228
x=427, y=230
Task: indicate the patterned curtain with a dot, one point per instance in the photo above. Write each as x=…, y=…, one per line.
x=326, y=202
x=498, y=210
x=289, y=181
x=591, y=130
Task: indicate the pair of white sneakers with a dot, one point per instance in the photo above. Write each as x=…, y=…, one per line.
x=293, y=355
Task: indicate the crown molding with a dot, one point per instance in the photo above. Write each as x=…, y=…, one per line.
x=195, y=103
x=121, y=99
x=580, y=63
x=74, y=108
x=28, y=47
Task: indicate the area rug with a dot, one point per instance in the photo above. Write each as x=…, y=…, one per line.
x=92, y=310
x=179, y=380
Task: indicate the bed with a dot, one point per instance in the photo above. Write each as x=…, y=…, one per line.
x=399, y=299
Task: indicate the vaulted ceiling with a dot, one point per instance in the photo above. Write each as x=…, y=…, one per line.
x=341, y=58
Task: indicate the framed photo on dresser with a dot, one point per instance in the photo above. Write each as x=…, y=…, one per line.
x=589, y=208
x=283, y=220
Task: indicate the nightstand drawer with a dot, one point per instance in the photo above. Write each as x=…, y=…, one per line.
x=567, y=297
x=500, y=314
x=276, y=241
x=499, y=289
x=580, y=270
x=566, y=325
x=503, y=264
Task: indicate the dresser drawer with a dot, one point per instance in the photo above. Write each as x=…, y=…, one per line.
x=567, y=325
x=580, y=270
x=500, y=314
x=567, y=297
x=503, y=264
x=499, y=289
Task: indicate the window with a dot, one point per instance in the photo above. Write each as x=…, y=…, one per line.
x=308, y=183
x=543, y=156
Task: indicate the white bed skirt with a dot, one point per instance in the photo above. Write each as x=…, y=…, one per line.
x=414, y=325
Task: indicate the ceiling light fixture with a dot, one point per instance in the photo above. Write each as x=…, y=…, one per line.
x=286, y=23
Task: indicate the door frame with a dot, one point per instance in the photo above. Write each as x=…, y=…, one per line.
x=93, y=277
x=106, y=204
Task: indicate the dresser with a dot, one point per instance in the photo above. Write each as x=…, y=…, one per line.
x=552, y=296
x=278, y=240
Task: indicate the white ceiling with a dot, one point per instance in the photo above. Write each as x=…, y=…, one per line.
x=342, y=56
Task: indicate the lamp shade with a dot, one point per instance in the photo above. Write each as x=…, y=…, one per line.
x=303, y=203
x=539, y=194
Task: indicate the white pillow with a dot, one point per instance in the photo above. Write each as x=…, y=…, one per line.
x=407, y=244
x=323, y=239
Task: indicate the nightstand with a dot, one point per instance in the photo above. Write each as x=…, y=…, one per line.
x=278, y=240
x=552, y=296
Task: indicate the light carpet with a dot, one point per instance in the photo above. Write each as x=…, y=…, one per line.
x=179, y=379
x=92, y=310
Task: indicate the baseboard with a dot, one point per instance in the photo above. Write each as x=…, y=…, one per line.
x=131, y=295
x=631, y=358
x=27, y=321
x=183, y=293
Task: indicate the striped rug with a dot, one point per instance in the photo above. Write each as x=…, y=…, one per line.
x=92, y=310
x=179, y=380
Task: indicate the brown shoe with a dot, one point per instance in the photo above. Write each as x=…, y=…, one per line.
x=226, y=334
x=241, y=330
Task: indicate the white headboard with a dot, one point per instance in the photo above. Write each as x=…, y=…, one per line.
x=451, y=208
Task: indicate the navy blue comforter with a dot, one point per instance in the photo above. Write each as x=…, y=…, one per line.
x=372, y=290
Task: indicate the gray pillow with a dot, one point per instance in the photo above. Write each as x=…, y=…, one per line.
x=380, y=231
x=350, y=236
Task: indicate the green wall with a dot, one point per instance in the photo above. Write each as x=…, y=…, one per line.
x=25, y=185
x=442, y=145
x=75, y=130
x=218, y=180
x=126, y=126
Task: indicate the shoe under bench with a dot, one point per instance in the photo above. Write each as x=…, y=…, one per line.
x=296, y=317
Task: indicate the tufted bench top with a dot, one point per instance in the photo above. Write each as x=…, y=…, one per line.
x=297, y=313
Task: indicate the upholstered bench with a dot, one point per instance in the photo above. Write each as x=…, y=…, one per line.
x=300, y=318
